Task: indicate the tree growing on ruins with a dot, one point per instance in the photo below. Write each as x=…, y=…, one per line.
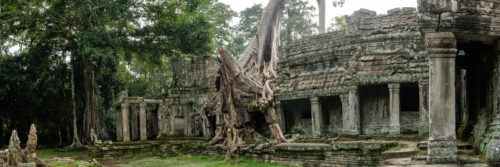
x=246, y=86
x=295, y=22
x=97, y=35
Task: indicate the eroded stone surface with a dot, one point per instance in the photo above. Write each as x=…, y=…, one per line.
x=30, y=150
x=15, y=153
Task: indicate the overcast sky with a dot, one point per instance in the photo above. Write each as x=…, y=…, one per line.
x=381, y=6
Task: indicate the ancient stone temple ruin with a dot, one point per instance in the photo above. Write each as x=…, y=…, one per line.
x=351, y=81
x=432, y=73
x=142, y=119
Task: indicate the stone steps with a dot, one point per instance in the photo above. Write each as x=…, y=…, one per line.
x=397, y=162
x=460, y=145
x=398, y=154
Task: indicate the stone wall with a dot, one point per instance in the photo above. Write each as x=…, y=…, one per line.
x=194, y=83
x=374, y=102
x=474, y=26
x=353, y=153
x=409, y=122
x=465, y=17
x=373, y=49
x=332, y=114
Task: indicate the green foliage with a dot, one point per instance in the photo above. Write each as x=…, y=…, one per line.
x=246, y=29
x=111, y=44
x=138, y=155
x=52, y=153
x=338, y=23
x=297, y=21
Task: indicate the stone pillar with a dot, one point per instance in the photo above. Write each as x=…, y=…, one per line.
x=394, y=109
x=281, y=115
x=423, y=129
x=441, y=48
x=352, y=126
x=134, y=122
x=188, y=122
x=119, y=124
x=125, y=122
x=142, y=121
x=316, y=116
x=463, y=99
x=161, y=121
x=344, y=99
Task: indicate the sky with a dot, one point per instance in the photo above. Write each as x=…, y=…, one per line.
x=380, y=6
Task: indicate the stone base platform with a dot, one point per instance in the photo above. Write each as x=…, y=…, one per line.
x=328, y=152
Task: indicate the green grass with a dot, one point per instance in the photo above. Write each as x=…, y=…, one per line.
x=138, y=155
x=198, y=161
x=60, y=164
x=52, y=153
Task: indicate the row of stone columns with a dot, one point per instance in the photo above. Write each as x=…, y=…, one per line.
x=351, y=111
x=123, y=122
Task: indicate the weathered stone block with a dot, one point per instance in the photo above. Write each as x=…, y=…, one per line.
x=436, y=6
x=493, y=152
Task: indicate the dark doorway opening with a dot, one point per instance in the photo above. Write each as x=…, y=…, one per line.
x=409, y=108
x=297, y=116
x=332, y=114
x=374, y=109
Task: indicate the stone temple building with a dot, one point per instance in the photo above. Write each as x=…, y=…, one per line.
x=432, y=72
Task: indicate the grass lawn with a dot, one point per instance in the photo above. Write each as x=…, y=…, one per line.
x=146, y=159
x=52, y=153
x=48, y=154
x=197, y=161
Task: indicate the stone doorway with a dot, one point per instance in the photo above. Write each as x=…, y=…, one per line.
x=297, y=116
x=332, y=114
x=374, y=109
x=409, y=103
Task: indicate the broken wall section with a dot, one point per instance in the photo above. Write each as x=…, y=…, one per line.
x=195, y=81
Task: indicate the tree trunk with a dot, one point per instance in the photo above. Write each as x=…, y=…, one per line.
x=246, y=87
x=92, y=117
x=76, y=140
x=1, y=133
x=321, y=7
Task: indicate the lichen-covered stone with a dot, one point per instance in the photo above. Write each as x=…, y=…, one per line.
x=15, y=153
x=30, y=150
x=374, y=49
x=493, y=152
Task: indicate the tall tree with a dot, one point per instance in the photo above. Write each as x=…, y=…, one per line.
x=321, y=6
x=245, y=87
x=338, y=23
x=297, y=21
x=97, y=34
x=246, y=28
x=76, y=139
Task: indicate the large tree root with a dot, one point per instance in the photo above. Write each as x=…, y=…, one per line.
x=246, y=87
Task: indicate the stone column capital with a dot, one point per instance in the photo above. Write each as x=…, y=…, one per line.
x=314, y=99
x=394, y=86
x=352, y=88
x=423, y=83
x=277, y=103
x=441, y=45
x=142, y=104
x=124, y=105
